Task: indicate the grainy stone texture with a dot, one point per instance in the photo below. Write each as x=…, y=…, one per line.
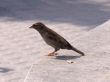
x=20, y=47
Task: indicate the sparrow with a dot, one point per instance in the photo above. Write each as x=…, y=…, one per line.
x=53, y=39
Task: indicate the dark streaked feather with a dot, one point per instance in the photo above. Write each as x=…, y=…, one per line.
x=57, y=39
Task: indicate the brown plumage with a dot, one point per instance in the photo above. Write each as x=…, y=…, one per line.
x=53, y=39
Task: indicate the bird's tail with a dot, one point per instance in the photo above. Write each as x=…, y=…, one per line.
x=78, y=51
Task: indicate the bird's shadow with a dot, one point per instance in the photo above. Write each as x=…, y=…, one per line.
x=65, y=57
x=4, y=70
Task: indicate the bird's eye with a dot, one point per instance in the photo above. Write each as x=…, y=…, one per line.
x=34, y=25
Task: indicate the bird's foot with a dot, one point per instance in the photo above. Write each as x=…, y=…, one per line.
x=52, y=54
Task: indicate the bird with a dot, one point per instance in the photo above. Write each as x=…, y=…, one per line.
x=53, y=39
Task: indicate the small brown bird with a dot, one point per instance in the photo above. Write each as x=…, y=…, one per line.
x=53, y=39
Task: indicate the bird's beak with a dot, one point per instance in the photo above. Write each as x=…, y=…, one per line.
x=31, y=27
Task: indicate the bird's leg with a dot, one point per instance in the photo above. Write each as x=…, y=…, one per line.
x=53, y=53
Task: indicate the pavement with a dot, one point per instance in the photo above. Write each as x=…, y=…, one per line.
x=21, y=47
x=93, y=67
x=85, y=24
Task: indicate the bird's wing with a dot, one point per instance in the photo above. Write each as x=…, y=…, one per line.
x=60, y=41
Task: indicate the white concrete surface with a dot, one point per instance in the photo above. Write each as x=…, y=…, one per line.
x=20, y=47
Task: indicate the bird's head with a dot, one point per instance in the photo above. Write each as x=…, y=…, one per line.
x=37, y=26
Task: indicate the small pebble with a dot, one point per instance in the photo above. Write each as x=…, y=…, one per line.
x=70, y=61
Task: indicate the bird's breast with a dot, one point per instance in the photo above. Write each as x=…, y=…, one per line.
x=48, y=39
